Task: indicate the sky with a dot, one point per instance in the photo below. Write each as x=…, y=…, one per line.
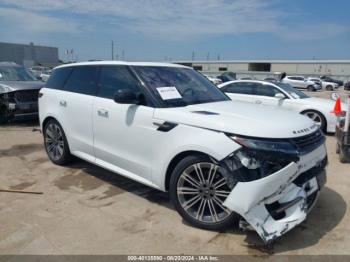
x=159, y=30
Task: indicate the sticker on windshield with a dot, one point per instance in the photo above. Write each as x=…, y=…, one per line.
x=168, y=92
x=294, y=95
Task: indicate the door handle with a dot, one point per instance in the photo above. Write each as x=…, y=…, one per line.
x=258, y=102
x=63, y=103
x=102, y=112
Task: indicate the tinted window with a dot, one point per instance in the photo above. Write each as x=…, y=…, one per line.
x=295, y=93
x=240, y=88
x=113, y=78
x=187, y=87
x=82, y=80
x=266, y=90
x=58, y=78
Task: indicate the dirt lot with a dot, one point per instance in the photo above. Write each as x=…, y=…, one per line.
x=87, y=210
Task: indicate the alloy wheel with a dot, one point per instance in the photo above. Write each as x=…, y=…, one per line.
x=314, y=116
x=54, y=141
x=201, y=191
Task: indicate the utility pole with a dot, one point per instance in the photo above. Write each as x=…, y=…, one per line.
x=123, y=55
x=208, y=56
x=193, y=56
x=218, y=57
x=112, y=50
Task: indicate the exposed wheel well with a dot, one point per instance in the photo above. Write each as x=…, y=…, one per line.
x=47, y=120
x=175, y=161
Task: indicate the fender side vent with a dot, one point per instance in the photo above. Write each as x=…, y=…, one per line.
x=205, y=113
x=165, y=127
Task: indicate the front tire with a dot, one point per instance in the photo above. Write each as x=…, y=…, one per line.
x=197, y=190
x=317, y=117
x=56, y=144
x=329, y=88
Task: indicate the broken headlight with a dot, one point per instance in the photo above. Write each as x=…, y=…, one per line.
x=259, y=158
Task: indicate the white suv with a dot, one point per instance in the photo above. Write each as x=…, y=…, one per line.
x=301, y=82
x=168, y=127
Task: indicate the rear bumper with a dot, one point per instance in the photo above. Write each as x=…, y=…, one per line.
x=275, y=204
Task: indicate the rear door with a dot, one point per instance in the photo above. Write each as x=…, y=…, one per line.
x=76, y=104
x=240, y=91
x=123, y=133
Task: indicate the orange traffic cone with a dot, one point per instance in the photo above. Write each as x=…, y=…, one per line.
x=337, y=107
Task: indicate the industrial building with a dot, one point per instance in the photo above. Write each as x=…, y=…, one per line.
x=29, y=54
x=264, y=68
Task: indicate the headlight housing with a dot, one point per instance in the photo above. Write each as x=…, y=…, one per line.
x=266, y=145
x=259, y=158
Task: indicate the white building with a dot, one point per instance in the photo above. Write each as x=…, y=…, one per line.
x=263, y=68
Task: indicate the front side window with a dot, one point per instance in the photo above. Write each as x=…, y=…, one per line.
x=16, y=73
x=244, y=88
x=114, y=78
x=295, y=93
x=266, y=90
x=82, y=80
x=175, y=86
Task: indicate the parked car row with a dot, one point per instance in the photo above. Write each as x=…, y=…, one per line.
x=300, y=82
x=41, y=72
x=167, y=126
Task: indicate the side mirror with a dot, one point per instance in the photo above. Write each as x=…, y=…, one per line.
x=280, y=96
x=126, y=96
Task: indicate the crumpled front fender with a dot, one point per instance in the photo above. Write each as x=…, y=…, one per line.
x=249, y=199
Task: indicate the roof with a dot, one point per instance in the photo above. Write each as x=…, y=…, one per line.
x=122, y=63
x=267, y=61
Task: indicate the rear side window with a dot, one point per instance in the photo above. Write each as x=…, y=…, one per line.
x=82, y=80
x=240, y=88
x=114, y=78
x=58, y=78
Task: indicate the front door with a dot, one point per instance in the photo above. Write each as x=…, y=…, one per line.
x=122, y=131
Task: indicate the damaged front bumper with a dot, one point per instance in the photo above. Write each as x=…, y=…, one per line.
x=275, y=204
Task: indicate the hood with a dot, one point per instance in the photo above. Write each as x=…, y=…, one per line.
x=326, y=104
x=241, y=119
x=10, y=86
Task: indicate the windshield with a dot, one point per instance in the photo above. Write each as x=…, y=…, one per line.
x=8, y=73
x=295, y=93
x=175, y=87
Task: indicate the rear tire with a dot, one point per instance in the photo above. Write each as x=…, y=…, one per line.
x=317, y=117
x=197, y=189
x=311, y=88
x=56, y=144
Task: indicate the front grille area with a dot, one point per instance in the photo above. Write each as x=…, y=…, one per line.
x=306, y=144
x=23, y=96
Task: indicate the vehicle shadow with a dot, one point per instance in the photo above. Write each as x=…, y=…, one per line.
x=23, y=123
x=122, y=184
x=325, y=216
